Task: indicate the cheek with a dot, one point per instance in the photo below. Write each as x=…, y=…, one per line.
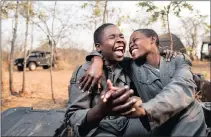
x=107, y=50
x=144, y=45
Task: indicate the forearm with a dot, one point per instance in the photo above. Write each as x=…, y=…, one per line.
x=93, y=118
x=84, y=121
x=174, y=97
x=95, y=115
x=97, y=60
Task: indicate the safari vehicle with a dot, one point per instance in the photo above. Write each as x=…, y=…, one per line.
x=24, y=121
x=205, y=48
x=35, y=59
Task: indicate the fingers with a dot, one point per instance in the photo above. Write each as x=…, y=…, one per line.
x=98, y=83
x=88, y=83
x=81, y=86
x=171, y=55
x=109, y=84
x=80, y=81
x=128, y=112
x=120, y=91
x=167, y=55
x=125, y=107
x=94, y=81
x=175, y=54
x=107, y=95
x=123, y=98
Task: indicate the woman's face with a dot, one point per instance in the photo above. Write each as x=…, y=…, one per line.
x=140, y=45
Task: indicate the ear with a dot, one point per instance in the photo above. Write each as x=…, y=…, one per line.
x=98, y=47
x=154, y=40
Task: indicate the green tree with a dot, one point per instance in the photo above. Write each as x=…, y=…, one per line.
x=174, y=7
x=6, y=7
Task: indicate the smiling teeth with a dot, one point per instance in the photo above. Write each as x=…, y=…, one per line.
x=119, y=48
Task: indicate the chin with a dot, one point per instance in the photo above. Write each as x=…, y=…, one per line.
x=119, y=59
x=135, y=57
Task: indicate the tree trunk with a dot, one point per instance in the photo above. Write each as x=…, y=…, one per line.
x=1, y=70
x=25, y=55
x=12, y=51
x=195, y=43
x=52, y=90
x=52, y=55
x=195, y=37
x=95, y=22
x=170, y=36
x=1, y=62
x=32, y=35
x=104, y=13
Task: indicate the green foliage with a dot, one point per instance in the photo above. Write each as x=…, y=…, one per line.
x=189, y=49
x=119, y=23
x=84, y=5
x=174, y=7
x=150, y=7
x=4, y=14
x=187, y=6
x=24, y=9
x=97, y=11
x=41, y=15
x=44, y=45
x=6, y=8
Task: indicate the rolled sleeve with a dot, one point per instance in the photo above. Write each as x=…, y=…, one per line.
x=174, y=97
x=92, y=54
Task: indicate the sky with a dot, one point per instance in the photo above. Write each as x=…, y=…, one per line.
x=84, y=38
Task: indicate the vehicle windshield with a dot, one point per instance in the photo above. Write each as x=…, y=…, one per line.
x=34, y=54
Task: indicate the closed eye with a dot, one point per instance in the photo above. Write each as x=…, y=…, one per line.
x=121, y=36
x=134, y=40
x=111, y=36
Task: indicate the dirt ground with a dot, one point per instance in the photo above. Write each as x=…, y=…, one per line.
x=38, y=90
x=38, y=87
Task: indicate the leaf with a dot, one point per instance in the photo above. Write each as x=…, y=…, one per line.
x=150, y=7
x=41, y=15
x=119, y=23
x=84, y=5
x=97, y=12
x=4, y=14
x=187, y=6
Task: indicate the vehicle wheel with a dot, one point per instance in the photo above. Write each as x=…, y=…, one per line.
x=46, y=67
x=32, y=66
x=19, y=68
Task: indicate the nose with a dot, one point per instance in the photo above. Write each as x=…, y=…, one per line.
x=120, y=40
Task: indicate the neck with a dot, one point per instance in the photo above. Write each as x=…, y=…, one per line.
x=110, y=64
x=153, y=58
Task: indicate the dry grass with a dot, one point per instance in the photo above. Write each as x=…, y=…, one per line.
x=38, y=93
x=202, y=67
x=38, y=89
